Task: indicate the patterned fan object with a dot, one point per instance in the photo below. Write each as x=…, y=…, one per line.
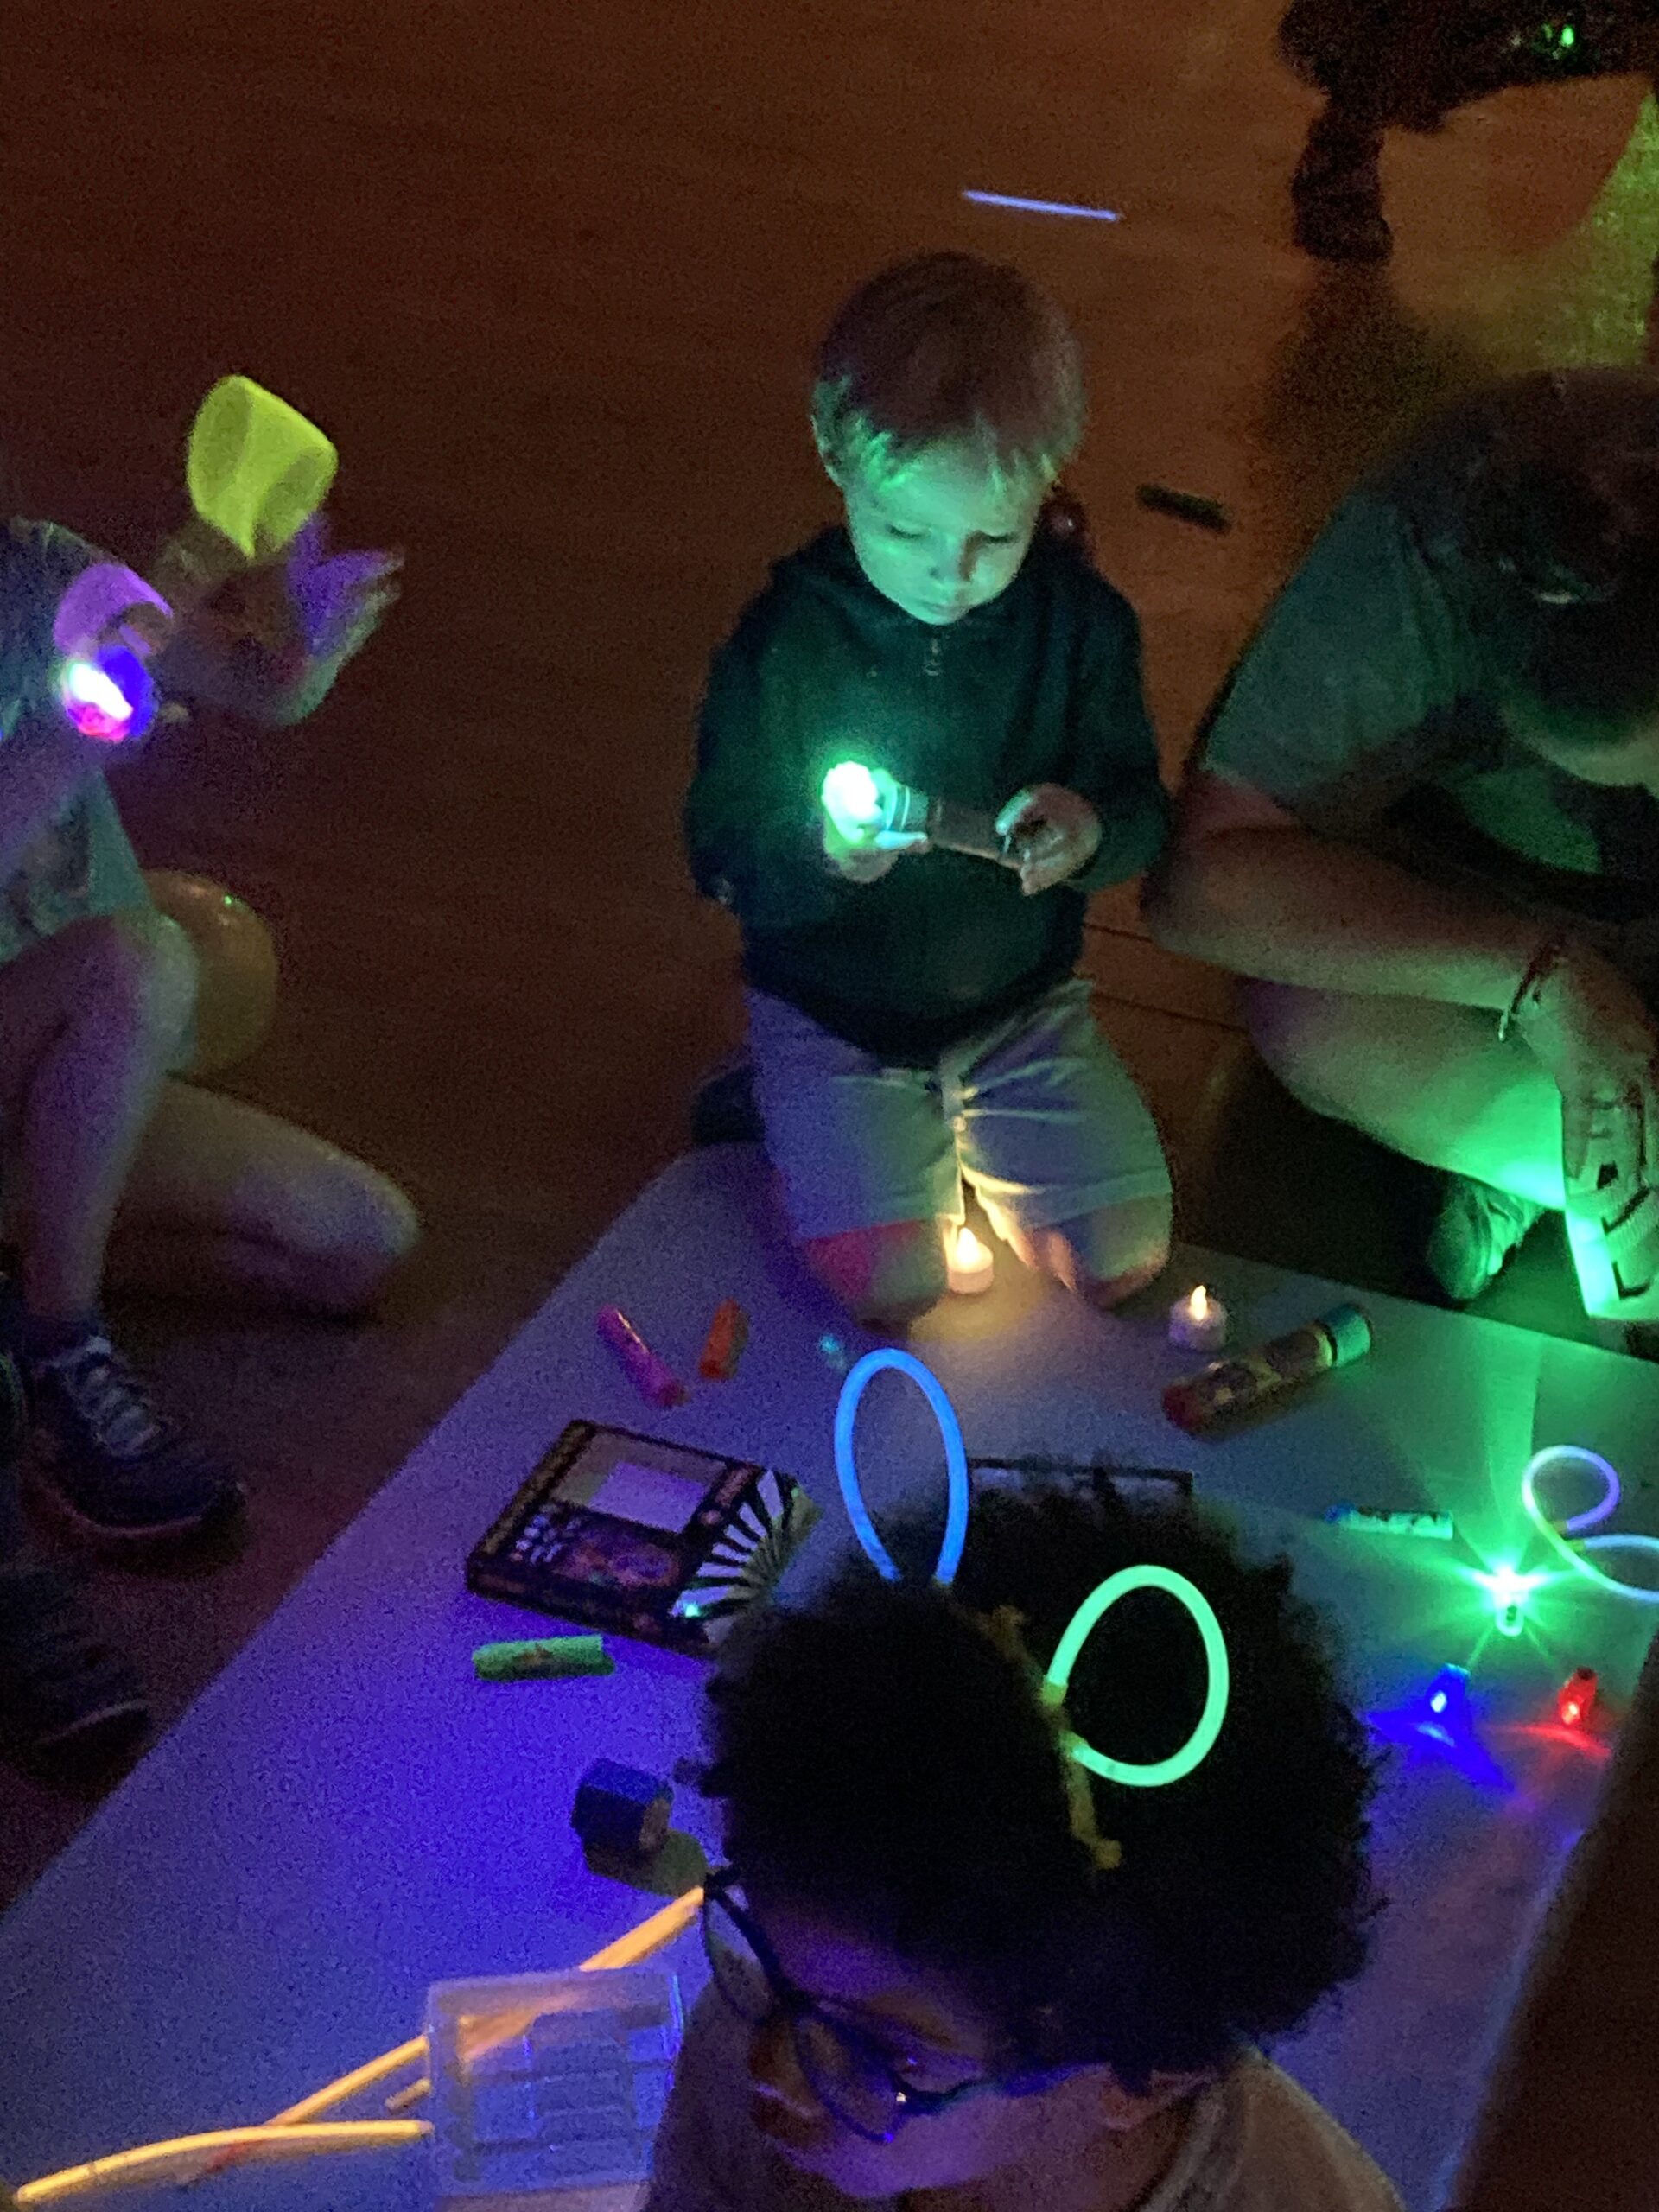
x=752, y=1552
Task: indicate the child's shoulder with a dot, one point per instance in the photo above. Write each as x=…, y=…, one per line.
x=1062, y=564
x=1277, y=2145
x=817, y=579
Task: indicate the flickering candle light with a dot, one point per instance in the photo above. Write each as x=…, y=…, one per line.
x=1198, y=1322
x=969, y=1264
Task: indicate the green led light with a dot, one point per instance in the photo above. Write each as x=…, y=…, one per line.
x=1146, y=1774
x=851, y=797
x=1510, y=1591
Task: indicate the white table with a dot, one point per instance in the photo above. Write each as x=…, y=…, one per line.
x=346, y=1816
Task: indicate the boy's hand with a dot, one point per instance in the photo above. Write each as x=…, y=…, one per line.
x=1057, y=831
x=855, y=843
x=865, y=856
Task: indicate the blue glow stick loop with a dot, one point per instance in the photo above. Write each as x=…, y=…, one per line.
x=1146, y=1774
x=1577, y=1457
x=955, y=1461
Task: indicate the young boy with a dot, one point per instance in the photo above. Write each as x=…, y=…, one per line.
x=913, y=1018
x=108, y=1156
x=934, y=1969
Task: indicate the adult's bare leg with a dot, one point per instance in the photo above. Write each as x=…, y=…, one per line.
x=222, y=1196
x=1433, y=1082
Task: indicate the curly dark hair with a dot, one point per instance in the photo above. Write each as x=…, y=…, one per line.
x=884, y=1761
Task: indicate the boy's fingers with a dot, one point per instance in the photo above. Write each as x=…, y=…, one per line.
x=1009, y=818
x=900, y=841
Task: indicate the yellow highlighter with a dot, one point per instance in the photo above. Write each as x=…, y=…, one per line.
x=256, y=470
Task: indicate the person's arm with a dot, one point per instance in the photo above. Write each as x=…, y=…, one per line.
x=754, y=827
x=44, y=759
x=43, y=763
x=1246, y=886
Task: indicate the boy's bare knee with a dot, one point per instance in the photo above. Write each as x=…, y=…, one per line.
x=1106, y=1256
x=886, y=1277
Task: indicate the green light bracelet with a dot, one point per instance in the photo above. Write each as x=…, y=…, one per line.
x=1145, y=1774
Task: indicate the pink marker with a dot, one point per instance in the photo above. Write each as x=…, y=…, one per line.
x=654, y=1382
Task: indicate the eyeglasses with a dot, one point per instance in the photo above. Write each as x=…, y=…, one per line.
x=871, y=2088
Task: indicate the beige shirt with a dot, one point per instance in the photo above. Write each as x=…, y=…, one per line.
x=1255, y=2143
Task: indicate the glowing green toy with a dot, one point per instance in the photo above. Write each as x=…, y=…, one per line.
x=1146, y=1774
x=256, y=470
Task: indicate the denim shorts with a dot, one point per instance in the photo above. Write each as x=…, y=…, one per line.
x=1037, y=1113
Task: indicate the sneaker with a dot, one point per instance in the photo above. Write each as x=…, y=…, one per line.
x=1478, y=1230
x=723, y=1110
x=108, y=1462
x=62, y=1690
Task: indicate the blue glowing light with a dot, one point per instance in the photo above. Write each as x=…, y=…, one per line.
x=1044, y=207
x=109, y=696
x=1438, y=1725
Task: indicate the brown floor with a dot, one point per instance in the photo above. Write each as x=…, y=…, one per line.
x=551, y=276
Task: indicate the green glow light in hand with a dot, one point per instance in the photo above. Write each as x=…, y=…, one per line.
x=852, y=798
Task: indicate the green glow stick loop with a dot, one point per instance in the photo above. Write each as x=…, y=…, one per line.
x=1145, y=1774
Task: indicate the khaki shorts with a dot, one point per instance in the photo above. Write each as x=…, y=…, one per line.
x=1038, y=1114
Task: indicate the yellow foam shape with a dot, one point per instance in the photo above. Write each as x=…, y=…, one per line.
x=256, y=470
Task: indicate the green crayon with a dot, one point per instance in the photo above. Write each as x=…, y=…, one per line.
x=542, y=1659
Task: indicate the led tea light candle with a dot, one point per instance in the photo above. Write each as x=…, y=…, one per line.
x=1198, y=1322
x=969, y=1264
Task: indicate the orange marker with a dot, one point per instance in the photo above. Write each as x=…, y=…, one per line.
x=728, y=1332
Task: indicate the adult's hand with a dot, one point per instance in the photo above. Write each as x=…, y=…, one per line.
x=1592, y=1030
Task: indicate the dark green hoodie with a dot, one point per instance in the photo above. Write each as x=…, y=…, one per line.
x=1041, y=686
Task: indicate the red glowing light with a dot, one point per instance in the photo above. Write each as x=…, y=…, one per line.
x=1575, y=1698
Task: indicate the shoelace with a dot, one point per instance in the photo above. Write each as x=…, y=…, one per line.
x=109, y=1397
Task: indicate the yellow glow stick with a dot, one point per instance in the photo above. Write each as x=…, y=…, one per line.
x=154, y=2162
x=412, y=2053
x=649, y=1937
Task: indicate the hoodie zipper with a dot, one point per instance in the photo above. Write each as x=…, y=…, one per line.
x=933, y=656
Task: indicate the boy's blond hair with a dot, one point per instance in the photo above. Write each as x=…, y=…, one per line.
x=947, y=349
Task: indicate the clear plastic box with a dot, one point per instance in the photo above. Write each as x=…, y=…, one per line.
x=548, y=2088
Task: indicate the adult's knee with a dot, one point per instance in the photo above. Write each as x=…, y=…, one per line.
x=887, y=1277
x=353, y=1228
x=138, y=969
x=1309, y=1039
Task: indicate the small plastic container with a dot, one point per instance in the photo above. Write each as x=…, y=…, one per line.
x=546, y=2087
x=256, y=469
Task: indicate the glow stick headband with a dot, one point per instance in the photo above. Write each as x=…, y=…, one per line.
x=1141, y=1774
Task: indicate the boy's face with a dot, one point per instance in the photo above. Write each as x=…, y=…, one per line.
x=935, y=2036
x=945, y=538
